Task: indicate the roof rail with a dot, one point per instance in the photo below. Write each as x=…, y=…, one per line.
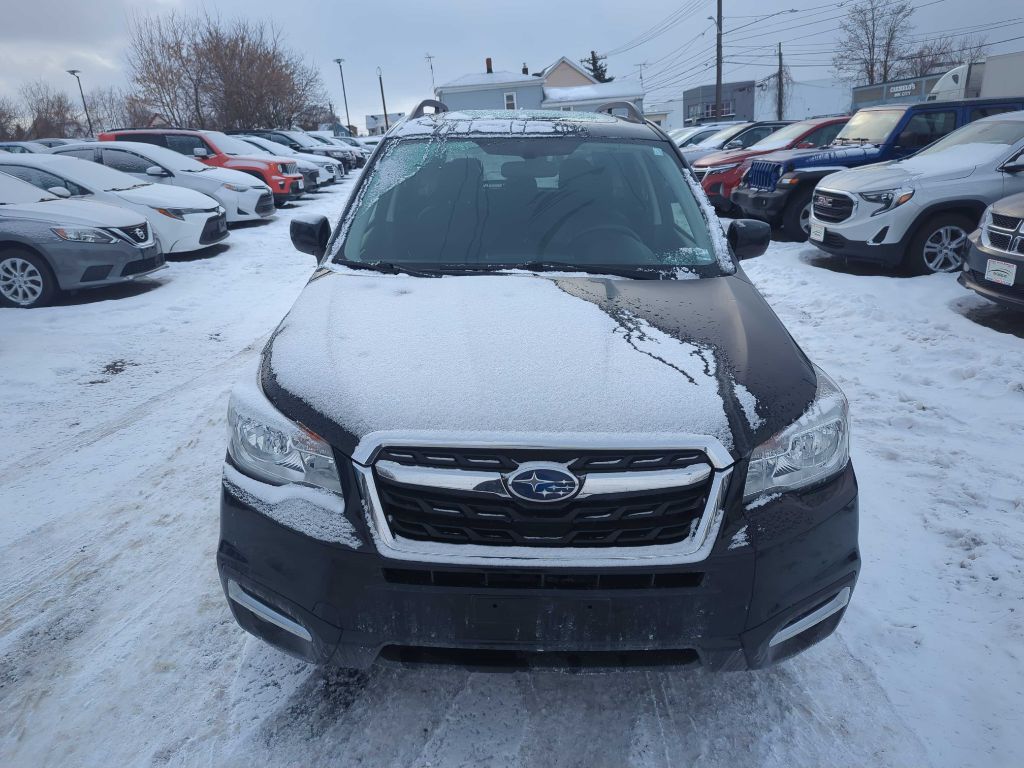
x=439, y=107
x=633, y=114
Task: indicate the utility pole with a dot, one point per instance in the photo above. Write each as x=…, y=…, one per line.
x=430, y=61
x=344, y=95
x=380, y=79
x=718, y=63
x=74, y=73
x=642, y=64
x=779, y=85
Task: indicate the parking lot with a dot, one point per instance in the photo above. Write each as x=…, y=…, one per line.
x=117, y=646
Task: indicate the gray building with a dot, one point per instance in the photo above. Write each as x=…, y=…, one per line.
x=737, y=102
x=375, y=124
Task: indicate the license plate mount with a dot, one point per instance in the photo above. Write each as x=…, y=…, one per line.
x=817, y=232
x=1002, y=272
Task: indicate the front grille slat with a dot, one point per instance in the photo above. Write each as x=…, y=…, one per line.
x=455, y=514
x=832, y=207
x=1009, y=223
x=763, y=174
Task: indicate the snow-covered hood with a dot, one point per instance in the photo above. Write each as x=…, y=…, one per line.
x=526, y=355
x=81, y=212
x=220, y=176
x=167, y=196
x=950, y=165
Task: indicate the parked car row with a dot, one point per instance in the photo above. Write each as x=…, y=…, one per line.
x=84, y=214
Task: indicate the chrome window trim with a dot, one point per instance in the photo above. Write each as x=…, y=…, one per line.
x=694, y=549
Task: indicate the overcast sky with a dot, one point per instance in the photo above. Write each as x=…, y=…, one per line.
x=43, y=38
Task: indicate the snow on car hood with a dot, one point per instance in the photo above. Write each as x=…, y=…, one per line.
x=81, y=212
x=227, y=176
x=167, y=196
x=532, y=356
x=954, y=163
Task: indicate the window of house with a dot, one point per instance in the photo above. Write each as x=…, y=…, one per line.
x=510, y=100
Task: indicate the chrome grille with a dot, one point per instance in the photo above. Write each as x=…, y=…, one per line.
x=833, y=207
x=1009, y=223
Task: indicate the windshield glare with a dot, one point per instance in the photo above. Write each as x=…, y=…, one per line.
x=486, y=203
x=872, y=126
x=722, y=136
x=999, y=133
x=783, y=137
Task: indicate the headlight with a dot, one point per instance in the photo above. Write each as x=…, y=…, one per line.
x=721, y=168
x=267, y=445
x=811, y=449
x=84, y=235
x=887, y=198
x=237, y=187
x=179, y=213
x=983, y=225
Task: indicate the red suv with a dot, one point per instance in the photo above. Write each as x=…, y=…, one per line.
x=721, y=172
x=222, y=151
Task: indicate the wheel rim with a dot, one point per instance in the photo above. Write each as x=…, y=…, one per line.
x=805, y=219
x=20, y=281
x=944, y=249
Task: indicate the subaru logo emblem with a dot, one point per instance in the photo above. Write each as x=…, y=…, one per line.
x=544, y=482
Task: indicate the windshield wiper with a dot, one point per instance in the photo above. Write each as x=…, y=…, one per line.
x=387, y=267
x=564, y=266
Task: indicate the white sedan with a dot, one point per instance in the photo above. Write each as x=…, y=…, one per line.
x=243, y=197
x=182, y=219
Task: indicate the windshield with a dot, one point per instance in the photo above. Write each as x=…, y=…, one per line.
x=492, y=203
x=95, y=176
x=872, y=126
x=229, y=145
x=15, y=191
x=1000, y=133
x=783, y=137
x=722, y=137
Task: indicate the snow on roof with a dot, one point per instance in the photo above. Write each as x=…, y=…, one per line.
x=595, y=92
x=495, y=79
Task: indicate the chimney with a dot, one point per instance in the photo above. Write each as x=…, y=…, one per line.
x=490, y=69
x=526, y=69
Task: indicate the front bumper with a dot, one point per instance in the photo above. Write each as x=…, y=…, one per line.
x=886, y=254
x=761, y=204
x=973, y=276
x=252, y=205
x=78, y=265
x=768, y=568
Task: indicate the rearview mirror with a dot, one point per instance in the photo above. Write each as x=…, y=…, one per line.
x=734, y=144
x=200, y=152
x=310, y=235
x=156, y=170
x=749, y=237
x=59, y=191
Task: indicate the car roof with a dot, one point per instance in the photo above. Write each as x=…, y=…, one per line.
x=522, y=123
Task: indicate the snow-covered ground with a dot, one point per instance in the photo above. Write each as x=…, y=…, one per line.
x=117, y=647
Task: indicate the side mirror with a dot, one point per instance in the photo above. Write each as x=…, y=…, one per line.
x=200, y=152
x=156, y=170
x=734, y=144
x=748, y=237
x=310, y=235
x=1014, y=166
x=59, y=191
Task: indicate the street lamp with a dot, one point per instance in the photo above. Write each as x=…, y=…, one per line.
x=380, y=79
x=74, y=73
x=344, y=95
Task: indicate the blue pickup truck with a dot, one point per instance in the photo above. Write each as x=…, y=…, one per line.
x=778, y=187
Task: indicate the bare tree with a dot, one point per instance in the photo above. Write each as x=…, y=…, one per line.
x=201, y=71
x=8, y=119
x=874, y=44
x=50, y=112
x=943, y=53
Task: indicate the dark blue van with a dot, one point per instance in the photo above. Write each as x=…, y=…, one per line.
x=778, y=187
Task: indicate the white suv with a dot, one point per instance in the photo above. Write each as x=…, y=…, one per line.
x=916, y=213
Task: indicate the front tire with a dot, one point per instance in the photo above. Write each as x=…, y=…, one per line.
x=26, y=280
x=796, y=218
x=940, y=245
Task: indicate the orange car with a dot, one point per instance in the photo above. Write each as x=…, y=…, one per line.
x=221, y=151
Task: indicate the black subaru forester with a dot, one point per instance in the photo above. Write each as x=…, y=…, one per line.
x=530, y=410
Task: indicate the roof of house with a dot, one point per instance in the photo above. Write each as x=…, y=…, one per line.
x=562, y=59
x=495, y=79
x=597, y=92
